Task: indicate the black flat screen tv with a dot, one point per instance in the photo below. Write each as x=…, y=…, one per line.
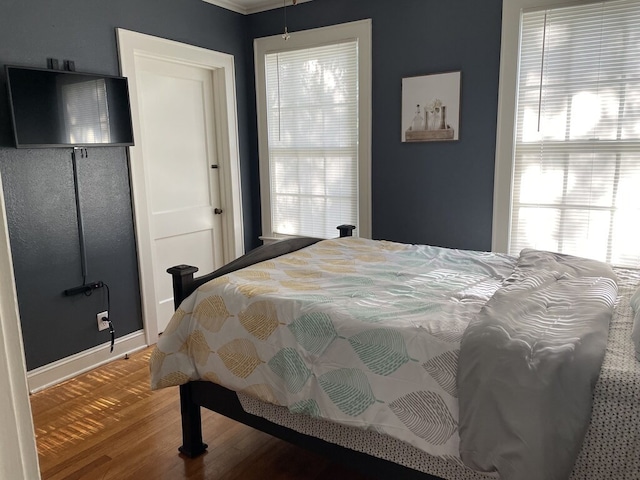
x=55, y=108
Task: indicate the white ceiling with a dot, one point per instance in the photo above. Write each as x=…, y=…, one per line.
x=251, y=6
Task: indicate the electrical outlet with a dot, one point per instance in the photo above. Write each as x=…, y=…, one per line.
x=102, y=324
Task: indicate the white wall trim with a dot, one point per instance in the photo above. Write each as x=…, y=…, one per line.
x=18, y=455
x=133, y=44
x=360, y=30
x=69, y=367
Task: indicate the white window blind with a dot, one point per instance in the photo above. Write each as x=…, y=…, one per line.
x=576, y=180
x=84, y=104
x=312, y=122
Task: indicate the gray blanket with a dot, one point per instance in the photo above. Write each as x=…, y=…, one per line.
x=528, y=364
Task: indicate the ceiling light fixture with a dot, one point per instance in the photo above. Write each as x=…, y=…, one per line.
x=286, y=35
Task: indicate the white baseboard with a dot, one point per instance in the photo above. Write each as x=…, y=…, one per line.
x=61, y=370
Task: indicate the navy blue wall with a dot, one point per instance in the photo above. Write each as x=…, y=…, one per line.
x=430, y=193
x=38, y=184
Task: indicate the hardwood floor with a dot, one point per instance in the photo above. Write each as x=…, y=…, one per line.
x=108, y=425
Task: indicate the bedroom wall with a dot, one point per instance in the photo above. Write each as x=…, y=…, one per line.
x=432, y=193
x=38, y=184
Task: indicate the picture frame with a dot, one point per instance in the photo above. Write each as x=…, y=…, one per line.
x=431, y=107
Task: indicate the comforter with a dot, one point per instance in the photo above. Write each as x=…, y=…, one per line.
x=359, y=332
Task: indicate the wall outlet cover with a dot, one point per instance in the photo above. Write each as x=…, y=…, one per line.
x=102, y=324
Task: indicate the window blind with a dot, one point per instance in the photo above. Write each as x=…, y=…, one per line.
x=576, y=181
x=84, y=102
x=312, y=122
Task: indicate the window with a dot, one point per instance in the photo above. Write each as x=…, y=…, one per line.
x=314, y=97
x=576, y=155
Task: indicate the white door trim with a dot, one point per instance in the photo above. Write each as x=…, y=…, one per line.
x=18, y=456
x=130, y=45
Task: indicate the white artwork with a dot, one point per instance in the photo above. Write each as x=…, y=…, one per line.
x=431, y=107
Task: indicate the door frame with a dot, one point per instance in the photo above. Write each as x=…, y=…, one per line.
x=18, y=453
x=130, y=45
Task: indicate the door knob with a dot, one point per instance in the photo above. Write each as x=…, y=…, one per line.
x=217, y=211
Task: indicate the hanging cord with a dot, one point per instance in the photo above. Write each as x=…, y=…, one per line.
x=278, y=82
x=544, y=45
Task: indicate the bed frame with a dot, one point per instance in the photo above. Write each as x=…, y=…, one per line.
x=197, y=394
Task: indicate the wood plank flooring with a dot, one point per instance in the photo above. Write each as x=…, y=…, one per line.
x=108, y=425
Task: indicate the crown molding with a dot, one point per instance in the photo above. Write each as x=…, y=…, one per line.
x=241, y=6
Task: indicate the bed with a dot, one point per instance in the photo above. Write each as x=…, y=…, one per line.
x=392, y=437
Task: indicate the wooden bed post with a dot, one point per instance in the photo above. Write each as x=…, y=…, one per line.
x=182, y=276
x=346, y=230
x=192, y=444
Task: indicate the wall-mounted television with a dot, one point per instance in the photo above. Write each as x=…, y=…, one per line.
x=56, y=108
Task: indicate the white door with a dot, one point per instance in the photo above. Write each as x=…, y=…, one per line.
x=185, y=166
x=178, y=143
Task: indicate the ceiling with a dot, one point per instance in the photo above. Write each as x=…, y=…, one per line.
x=247, y=7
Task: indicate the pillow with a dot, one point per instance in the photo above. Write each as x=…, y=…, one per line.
x=635, y=333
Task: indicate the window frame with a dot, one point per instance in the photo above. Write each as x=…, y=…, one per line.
x=360, y=31
x=507, y=99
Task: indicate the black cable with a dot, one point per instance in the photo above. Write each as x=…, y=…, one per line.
x=79, y=220
x=108, y=296
x=112, y=330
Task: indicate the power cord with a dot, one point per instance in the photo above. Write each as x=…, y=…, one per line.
x=87, y=289
x=112, y=330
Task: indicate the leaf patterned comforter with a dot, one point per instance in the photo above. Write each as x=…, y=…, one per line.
x=360, y=332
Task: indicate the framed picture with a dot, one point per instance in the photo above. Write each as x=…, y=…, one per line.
x=431, y=107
